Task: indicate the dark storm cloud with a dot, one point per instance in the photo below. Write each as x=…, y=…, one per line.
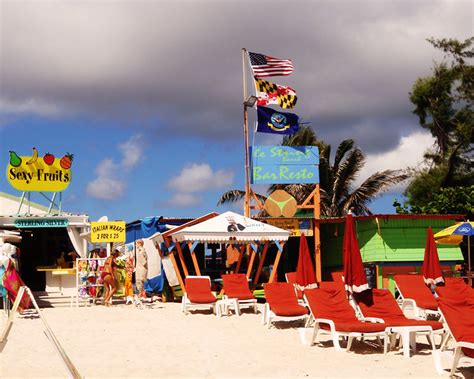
x=177, y=65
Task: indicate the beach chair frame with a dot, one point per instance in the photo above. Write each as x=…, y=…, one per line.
x=187, y=304
x=407, y=304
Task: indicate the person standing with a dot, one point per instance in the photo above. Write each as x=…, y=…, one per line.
x=108, y=277
x=141, y=268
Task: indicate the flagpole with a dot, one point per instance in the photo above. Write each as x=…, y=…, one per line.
x=246, y=136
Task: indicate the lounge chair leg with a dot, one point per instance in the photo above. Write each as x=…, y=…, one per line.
x=444, y=341
x=315, y=334
x=335, y=341
x=349, y=343
x=457, y=356
x=385, y=344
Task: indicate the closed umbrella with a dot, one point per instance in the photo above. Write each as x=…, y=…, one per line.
x=431, y=268
x=354, y=273
x=453, y=235
x=305, y=275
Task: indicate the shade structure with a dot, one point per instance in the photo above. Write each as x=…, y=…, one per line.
x=230, y=227
x=305, y=275
x=432, y=274
x=354, y=276
x=453, y=235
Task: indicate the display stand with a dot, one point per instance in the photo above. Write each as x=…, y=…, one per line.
x=87, y=280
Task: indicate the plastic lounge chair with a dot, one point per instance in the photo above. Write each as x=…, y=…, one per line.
x=416, y=296
x=236, y=286
x=334, y=315
x=456, y=305
x=291, y=278
x=198, y=294
x=282, y=304
x=380, y=303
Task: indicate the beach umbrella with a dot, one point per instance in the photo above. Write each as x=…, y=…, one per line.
x=305, y=275
x=453, y=235
x=431, y=268
x=353, y=273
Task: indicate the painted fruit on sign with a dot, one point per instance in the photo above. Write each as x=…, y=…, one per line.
x=48, y=159
x=66, y=161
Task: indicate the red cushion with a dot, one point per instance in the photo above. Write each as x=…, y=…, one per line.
x=199, y=290
x=357, y=327
x=414, y=287
x=282, y=299
x=236, y=286
x=457, y=305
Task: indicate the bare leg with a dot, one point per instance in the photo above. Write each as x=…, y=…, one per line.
x=109, y=284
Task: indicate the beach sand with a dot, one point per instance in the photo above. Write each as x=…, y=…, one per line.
x=160, y=341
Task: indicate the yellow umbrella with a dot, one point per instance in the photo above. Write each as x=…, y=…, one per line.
x=454, y=234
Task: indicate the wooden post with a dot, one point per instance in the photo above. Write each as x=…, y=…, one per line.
x=252, y=258
x=260, y=265
x=193, y=256
x=181, y=259
x=178, y=274
x=275, y=264
x=317, y=234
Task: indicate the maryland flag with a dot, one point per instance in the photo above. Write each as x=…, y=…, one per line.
x=270, y=93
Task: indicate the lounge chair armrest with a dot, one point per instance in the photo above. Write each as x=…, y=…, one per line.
x=372, y=319
x=408, y=302
x=469, y=345
x=326, y=321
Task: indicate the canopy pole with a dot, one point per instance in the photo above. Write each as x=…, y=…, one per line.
x=260, y=265
x=175, y=264
x=239, y=261
x=181, y=258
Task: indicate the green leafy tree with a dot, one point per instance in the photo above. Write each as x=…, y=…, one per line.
x=444, y=105
x=336, y=179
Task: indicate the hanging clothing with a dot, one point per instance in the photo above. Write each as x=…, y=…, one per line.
x=12, y=282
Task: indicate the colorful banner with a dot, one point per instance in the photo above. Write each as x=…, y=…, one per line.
x=294, y=226
x=36, y=174
x=284, y=165
x=110, y=231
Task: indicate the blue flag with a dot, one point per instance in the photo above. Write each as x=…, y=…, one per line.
x=272, y=121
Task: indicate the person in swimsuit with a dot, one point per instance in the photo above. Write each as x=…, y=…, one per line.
x=107, y=276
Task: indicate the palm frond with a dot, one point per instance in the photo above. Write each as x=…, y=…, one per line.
x=231, y=196
x=344, y=147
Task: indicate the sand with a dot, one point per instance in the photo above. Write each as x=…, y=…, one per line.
x=160, y=341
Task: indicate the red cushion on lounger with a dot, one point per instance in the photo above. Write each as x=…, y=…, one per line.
x=457, y=305
x=414, y=287
x=199, y=290
x=380, y=303
x=236, y=286
x=332, y=304
x=291, y=278
x=282, y=299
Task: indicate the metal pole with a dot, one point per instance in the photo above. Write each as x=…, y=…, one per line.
x=246, y=137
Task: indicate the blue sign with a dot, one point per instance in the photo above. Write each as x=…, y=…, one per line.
x=284, y=165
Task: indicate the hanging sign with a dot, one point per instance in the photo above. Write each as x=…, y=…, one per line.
x=35, y=174
x=110, y=231
x=294, y=226
x=284, y=165
x=41, y=223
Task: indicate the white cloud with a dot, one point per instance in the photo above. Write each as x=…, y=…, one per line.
x=408, y=153
x=183, y=200
x=132, y=151
x=111, y=177
x=29, y=106
x=200, y=177
x=106, y=188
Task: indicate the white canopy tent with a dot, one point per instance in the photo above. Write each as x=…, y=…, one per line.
x=231, y=227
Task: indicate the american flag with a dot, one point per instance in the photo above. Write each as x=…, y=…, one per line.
x=264, y=66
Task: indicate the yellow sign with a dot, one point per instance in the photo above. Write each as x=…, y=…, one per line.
x=293, y=225
x=34, y=173
x=110, y=231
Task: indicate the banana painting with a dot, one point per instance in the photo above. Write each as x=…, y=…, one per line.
x=34, y=157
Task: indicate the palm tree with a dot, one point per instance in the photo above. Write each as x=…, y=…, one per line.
x=336, y=179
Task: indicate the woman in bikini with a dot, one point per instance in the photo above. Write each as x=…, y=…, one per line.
x=107, y=276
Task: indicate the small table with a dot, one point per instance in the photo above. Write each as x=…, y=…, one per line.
x=223, y=305
x=408, y=336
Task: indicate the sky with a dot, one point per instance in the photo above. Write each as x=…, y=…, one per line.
x=148, y=95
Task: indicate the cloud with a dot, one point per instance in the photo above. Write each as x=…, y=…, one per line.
x=200, y=177
x=355, y=61
x=408, y=153
x=182, y=200
x=111, y=176
x=29, y=106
